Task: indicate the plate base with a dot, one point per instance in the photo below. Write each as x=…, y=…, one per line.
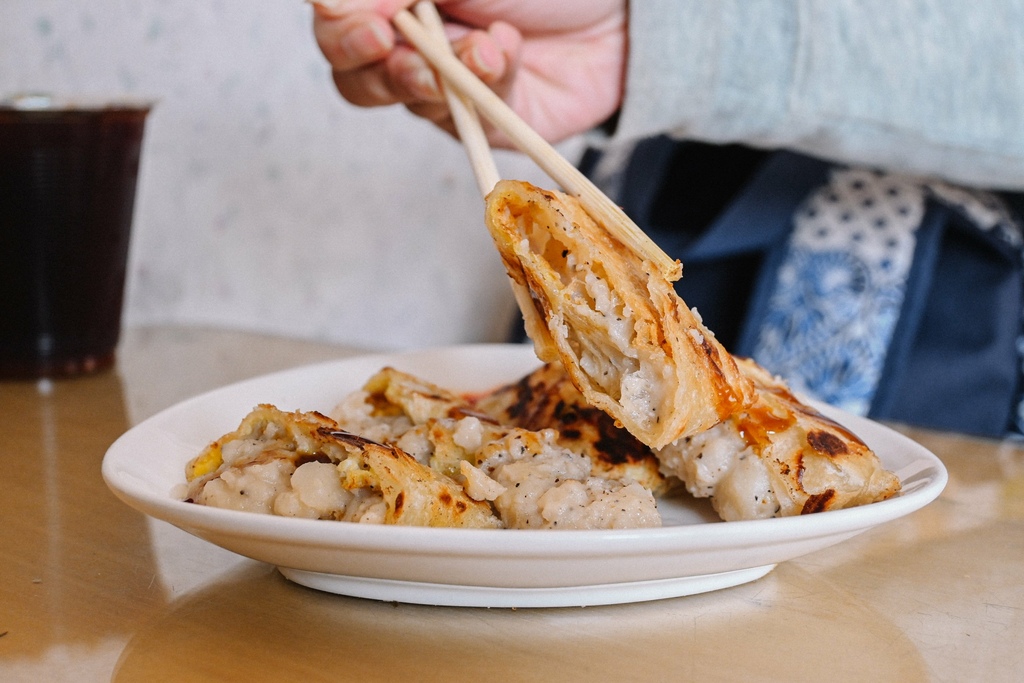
x=486, y=596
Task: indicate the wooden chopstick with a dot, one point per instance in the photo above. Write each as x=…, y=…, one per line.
x=490, y=105
x=467, y=123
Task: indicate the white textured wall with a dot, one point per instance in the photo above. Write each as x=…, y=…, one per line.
x=265, y=201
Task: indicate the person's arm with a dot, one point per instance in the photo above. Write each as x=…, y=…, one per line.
x=933, y=87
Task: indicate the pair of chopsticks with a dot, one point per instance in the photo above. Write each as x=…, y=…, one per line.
x=466, y=95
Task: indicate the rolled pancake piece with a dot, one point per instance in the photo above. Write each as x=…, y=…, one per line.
x=627, y=340
x=255, y=467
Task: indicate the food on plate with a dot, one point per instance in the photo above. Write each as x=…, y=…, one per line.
x=629, y=343
x=404, y=451
x=723, y=426
x=635, y=399
x=777, y=458
x=534, y=483
x=530, y=454
x=532, y=477
x=547, y=399
x=301, y=464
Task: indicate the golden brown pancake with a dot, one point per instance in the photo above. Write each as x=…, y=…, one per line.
x=626, y=339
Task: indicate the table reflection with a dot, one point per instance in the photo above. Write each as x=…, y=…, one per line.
x=81, y=535
x=228, y=627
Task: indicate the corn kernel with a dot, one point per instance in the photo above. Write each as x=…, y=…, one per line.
x=205, y=463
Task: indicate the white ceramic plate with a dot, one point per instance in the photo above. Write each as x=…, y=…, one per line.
x=692, y=553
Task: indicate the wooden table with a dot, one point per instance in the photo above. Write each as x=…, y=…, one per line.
x=91, y=590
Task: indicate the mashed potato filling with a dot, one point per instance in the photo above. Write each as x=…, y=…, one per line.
x=612, y=361
x=545, y=486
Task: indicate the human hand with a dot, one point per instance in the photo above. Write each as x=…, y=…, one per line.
x=559, y=65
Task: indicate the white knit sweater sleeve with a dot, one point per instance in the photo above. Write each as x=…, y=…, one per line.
x=933, y=87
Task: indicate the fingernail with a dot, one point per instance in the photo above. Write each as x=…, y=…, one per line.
x=486, y=60
x=426, y=83
x=417, y=77
x=367, y=41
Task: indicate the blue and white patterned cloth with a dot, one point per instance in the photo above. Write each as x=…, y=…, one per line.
x=839, y=292
x=840, y=288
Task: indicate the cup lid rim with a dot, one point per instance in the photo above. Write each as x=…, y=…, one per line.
x=45, y=102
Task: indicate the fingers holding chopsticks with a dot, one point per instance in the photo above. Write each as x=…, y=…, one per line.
x=373, y=66
x=602, y=33
x=492, y=55
x=354, y=33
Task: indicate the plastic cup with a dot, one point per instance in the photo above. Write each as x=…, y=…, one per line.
x=67, y=191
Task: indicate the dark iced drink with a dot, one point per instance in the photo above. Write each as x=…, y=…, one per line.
x=67, y=191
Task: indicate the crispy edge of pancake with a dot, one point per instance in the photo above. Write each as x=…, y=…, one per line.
x=833, y=469
x=779, y=457
x=390, y=390
x=301, y=429
x=669, y=376
x=415, y=495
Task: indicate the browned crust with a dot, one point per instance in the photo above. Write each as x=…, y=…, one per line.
x=546, y=399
